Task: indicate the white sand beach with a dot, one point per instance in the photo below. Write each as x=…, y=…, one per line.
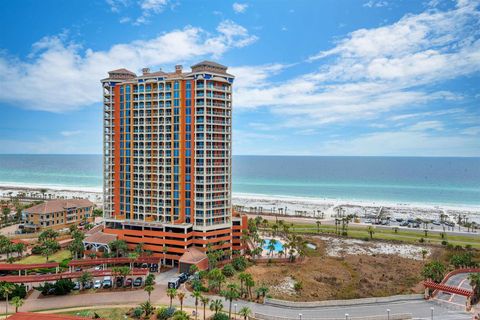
x=292, y=206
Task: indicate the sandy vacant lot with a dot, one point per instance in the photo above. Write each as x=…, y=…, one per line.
x=324, y=276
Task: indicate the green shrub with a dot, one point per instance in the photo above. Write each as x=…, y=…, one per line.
x=37, y=250
x=165, y=313
x=444, y=242
x=220, y=316
x=59, y=288
x=65, y=262
x=298, y=286
x=228, y=270
x=198, y=285
x=239, y=263
x=137, y=312
x=19, y=291
x=202, y=274
x=181, y=315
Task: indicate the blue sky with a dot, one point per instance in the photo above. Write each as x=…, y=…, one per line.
x=367, y=77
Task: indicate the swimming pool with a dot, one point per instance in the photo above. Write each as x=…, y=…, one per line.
x=278, y=245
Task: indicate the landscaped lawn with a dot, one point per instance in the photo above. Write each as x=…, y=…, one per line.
x=57, y=257
x=409, y=236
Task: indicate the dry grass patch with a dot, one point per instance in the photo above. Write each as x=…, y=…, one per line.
x=352, y=276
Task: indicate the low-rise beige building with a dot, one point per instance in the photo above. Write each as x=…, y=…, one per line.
x=58, y=214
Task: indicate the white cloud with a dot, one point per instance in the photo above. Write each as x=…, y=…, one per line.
x=471, y=131
x=70, y=133
x=59, y=76
x=239, y=7
x=373, y=71
x=117, y=5
x=404, y=142
x=375, y=4
x=156, y=6
x=427, y=125
x=148, y=8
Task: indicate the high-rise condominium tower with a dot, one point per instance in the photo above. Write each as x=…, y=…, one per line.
x=167, y=159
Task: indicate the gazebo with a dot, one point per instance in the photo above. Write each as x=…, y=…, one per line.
x=192, y=256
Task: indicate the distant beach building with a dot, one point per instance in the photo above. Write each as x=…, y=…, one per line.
x=58, y=214
x=167, y=160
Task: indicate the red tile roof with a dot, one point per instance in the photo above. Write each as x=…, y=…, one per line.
x=122, y=70
x=193, y=255
x=16, y=267
x=59, y=205
x=100, y=237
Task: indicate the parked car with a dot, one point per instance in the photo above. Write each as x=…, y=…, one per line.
x=174, y=283
x=138, y=282
x=404, y=224
x=154, y=267
x=97, y=284
x=88, y=285
x=77, y=286
x=144, y=265
x=119, y=281
x=97, y=268
x=183, y=277
x=107, y=282
x=78, y=269
x=128, y=283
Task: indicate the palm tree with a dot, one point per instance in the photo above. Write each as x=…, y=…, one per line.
x=171, y=293
x=263, y=290
x=272, y=246
x=17, y=302
x=424, y=253
x=197, y=294
x=318, y=222
x=124, y=272
x=230, y=295
x=149, y=288
x=216, y=306
x=204, y=301
x=249, y=283
x=118, y=246
x=181, y=296
x=43, y=192
x=85, y=278
x=6, y=289
x=371, y=231
x=242, y=277
x=245, y=312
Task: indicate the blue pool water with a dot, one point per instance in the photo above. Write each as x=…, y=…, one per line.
x=278, y=245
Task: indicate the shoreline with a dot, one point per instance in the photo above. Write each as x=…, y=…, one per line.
x=296, y=206
x=259, y=196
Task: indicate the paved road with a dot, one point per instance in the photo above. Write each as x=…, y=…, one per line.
x=431, y=228
x=418, y=308
x=460, y=281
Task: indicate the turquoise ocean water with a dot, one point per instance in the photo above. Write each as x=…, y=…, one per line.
x=453, y=181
